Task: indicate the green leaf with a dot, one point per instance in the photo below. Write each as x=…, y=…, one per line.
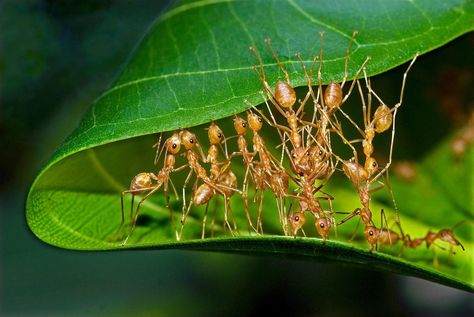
x=194, y=66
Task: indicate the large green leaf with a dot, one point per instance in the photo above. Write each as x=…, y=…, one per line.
x=194, y=66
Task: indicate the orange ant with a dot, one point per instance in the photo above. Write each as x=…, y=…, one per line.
x=267, y=172
x=221, y=175
x=240, y=126
x=189, y=141
x=144, y=182
x=283, y=97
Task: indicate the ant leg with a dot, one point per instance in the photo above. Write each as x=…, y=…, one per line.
x=213, y=222
x=133, y=192
x=308, y=79
x=175, y=192
x=185, y=214
x=226, y=219
x=280, y=65
x=351, y=215
x=123, y=215
x=356, y=76
x=304, y=233
x=188, y=178
x=245, y=198
x=231, y=213
x=392, y=195
x=348, y=51
x=167, y=196
x=204, y=221
x=280, y=214
x=259, y=217
x=151, y=192
x=159, y=149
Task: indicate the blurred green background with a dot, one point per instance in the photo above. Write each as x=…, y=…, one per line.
x=55, y=58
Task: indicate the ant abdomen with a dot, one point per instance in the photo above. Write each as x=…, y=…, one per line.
x=285, y=94
x=355, y=172
x=382, y=118
x=142, y=181
x=333, y=96
x=202, y=195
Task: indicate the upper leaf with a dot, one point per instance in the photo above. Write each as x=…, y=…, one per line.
x=194, y=65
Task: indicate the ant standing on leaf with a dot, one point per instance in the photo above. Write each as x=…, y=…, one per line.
x=189, y=141
x=150, y=183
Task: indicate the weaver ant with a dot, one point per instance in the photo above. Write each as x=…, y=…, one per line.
x=150, y=183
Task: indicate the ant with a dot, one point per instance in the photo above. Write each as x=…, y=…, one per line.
x=267, y=173
x=240, y=126
x=149, y=182
x=189, y=141
x=221, y=175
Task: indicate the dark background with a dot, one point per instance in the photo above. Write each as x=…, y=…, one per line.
x=55, y=58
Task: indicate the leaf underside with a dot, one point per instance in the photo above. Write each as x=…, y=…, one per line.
x=194, y=66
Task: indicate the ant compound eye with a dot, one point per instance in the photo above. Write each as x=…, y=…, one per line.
x=244, y=125
x=259, y=119
x=322, y=225
x=174, y=145
x=374, y=164
x=293, y=156
x=371, y=232
x=297, y=218
x=191, y=141
x=219, y=135
x=320, y=153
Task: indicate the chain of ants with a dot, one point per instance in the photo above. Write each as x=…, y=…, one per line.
x=310, y=156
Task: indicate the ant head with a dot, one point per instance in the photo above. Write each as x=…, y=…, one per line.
x=173, y=144
x=300, y=159
x=240, y=125
x=255, y=121
x=322, y=226
x=215, y=134
x=371, y=166
x=188, y=139
x=371, y=235
x=382, y=118
x=297, y=221
x=318, y=153
x=447, y=235
x=285, y=94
